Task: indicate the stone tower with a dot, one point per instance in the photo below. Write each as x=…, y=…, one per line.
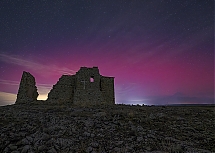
x=87, y=86
x=27, y=90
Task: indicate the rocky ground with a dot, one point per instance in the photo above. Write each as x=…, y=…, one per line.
x=115, y=129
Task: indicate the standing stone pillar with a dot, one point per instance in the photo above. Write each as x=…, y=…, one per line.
x=27, y=90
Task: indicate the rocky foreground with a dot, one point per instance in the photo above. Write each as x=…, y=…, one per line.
x=119, y=128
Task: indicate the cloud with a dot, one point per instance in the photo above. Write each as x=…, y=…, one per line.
x=9, y=82
x=42, y=86
x=32, y=65
x=125, y=88
x=43, y=90
x=7, y=98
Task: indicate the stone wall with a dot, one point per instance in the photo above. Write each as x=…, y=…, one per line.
x=63, y=90
x=88, y=97
x=107, y=88
x=27, y=90
x=88, y=87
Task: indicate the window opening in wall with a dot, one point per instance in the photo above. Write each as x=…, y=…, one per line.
x=91, y=79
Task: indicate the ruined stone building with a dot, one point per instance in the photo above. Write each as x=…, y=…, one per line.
x=87, y=86
x=27, y=90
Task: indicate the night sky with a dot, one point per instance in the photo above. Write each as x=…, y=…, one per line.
x=159, y=51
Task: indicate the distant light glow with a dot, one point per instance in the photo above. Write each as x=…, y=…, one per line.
x=7, y=98
x=42, y=97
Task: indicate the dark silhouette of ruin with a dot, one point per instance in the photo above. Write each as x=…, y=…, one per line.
x=87, y=86
x=27, y=90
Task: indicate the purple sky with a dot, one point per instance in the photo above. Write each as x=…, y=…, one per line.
x=160, y=52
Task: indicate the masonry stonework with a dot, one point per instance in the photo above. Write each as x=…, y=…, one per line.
x=63, y=90
x=27, y=90
x=87, y=86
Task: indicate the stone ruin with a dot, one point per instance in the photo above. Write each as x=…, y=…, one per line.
x=87, y=86
x=27, y=90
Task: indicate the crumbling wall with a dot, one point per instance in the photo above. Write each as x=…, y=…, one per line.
x=63, y=90
x=27, y=90
x=88, y=87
